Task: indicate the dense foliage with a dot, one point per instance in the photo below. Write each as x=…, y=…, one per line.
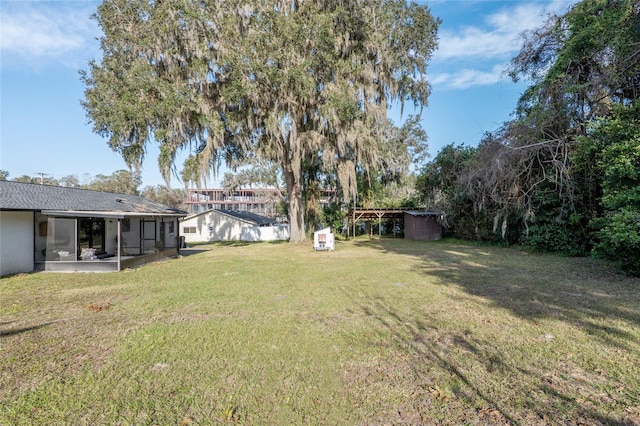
x=616, y=144
x=564, y=174
x=303, y=84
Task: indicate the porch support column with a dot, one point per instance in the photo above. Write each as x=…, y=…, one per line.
x=119, y=241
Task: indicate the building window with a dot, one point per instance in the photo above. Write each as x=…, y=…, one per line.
x=189, y=230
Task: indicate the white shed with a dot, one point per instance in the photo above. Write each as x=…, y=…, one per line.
x=228, y=225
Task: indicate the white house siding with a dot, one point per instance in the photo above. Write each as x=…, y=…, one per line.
x=170, y=233
x=265, y=233
x=211, y=226
x=217, y=226
x=16, y=242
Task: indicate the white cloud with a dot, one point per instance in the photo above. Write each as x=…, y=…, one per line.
x=43, y=31
x=499, y=36
x=490, y=44
x=467, y=77
x=472, y=43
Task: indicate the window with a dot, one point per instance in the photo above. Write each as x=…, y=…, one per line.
x=171, y=227
x=189, y=230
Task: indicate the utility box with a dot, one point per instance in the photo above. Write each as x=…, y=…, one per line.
x=323, y=239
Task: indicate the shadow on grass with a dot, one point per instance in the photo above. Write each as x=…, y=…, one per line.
x=14, y=331
x=190, y=251
x=532, y=287
x=575, y=291
x=236, y=243
x=432, y=347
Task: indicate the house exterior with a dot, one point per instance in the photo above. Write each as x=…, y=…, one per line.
x=54, y=228
x=227, y=225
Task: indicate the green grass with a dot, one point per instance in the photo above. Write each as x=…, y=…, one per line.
x=376, y=332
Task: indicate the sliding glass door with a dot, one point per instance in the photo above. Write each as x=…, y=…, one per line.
x=91, y=234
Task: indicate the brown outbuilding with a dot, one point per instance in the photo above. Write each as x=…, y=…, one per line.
x=422, y=225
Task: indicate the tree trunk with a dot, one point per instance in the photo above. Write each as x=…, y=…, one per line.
x=296, y=208
x=293, y=178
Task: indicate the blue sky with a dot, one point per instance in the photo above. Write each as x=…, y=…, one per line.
x=43, y=44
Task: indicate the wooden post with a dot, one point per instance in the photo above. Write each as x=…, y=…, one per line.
x=354, y=218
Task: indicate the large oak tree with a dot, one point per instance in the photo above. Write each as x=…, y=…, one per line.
x=286, y=81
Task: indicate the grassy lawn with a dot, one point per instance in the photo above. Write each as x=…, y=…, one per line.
x=376, y=332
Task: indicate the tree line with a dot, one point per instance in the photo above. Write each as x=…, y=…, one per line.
x=564, y=174
x=120, y=181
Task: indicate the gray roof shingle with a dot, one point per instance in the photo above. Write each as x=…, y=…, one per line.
x=249, y=217
x=33, y=197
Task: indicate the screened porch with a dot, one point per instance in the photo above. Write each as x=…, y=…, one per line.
x=101, y=242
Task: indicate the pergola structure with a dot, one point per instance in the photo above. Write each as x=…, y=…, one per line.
x=373, y=214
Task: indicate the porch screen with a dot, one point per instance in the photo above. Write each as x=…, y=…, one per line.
x=148, y=235
x=55, y=239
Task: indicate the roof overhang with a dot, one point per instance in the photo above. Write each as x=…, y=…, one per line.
x=106, y=215
x=422, y=213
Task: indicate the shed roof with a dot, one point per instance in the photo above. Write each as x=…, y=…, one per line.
x=252, y=218
x=373, y=213
x=59, y=199
x=422, y=213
